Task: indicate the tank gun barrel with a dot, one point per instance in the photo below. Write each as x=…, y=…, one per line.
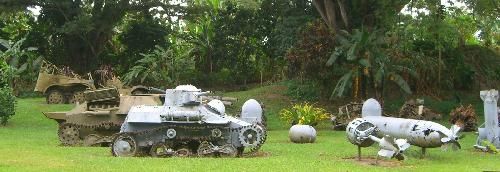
x=156, y=90
x=199, y=94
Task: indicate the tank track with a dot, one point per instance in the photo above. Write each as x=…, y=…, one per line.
x=201, y=140
x=70, y=133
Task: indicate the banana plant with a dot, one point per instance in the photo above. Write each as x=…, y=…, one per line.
x=23, y=62
x=362, y=52
x=356, y=50
x=386, y=69
x=202, y=33
x=153, y=67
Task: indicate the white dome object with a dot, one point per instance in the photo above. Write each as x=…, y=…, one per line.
x=251, y=111
x=187, y=88
x=371, y=107
x=302, y=134
x=218, y=106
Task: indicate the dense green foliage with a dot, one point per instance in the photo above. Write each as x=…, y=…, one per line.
x=303, y=90
x=7, y=102
x=7, y=99
x=24, y=64
x=161, y=66
x=357, y=49
x=78, y=33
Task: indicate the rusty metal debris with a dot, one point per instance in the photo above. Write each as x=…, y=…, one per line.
x=50, y=68
x=345, y=114
x=464, y=116
x=415, y=109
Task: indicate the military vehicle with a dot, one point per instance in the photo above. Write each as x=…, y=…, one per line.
x=99, y=117
x=62, y=85
x=186, y=126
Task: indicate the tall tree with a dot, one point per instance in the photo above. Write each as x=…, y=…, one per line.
x=77, y=31
x=346, y=15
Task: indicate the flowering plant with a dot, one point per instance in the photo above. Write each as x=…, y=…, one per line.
x=305, y=114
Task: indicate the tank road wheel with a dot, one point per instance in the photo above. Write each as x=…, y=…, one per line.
x=124, y=145
x=228, y=151
x=205, y=150
x=252, y=137
x=183, y=152
x=161, y=150
x=77, y=96
x=95, y=140
x=69, y=134
x=55, y=97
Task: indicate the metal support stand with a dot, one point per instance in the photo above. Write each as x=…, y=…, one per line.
x=359, y=153
x=423, y=153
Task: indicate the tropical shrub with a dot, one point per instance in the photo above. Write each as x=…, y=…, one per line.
x=304, y=114
x=307, y=90
x=7, y=99
x=7, y=102
x=162, y=67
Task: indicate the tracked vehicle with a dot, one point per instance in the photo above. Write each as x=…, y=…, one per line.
x=98, y=118
x=187, y=126
x=62, y=85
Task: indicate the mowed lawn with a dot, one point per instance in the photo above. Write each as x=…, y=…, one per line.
x=29, y=143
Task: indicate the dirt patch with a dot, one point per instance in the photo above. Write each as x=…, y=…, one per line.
x=257, y=154
x=372, y=161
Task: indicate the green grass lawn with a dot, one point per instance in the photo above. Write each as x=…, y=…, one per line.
x=29, y=143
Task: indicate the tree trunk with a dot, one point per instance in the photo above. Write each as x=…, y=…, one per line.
x=439, y=70
x=327, y=10
x=356, y=86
